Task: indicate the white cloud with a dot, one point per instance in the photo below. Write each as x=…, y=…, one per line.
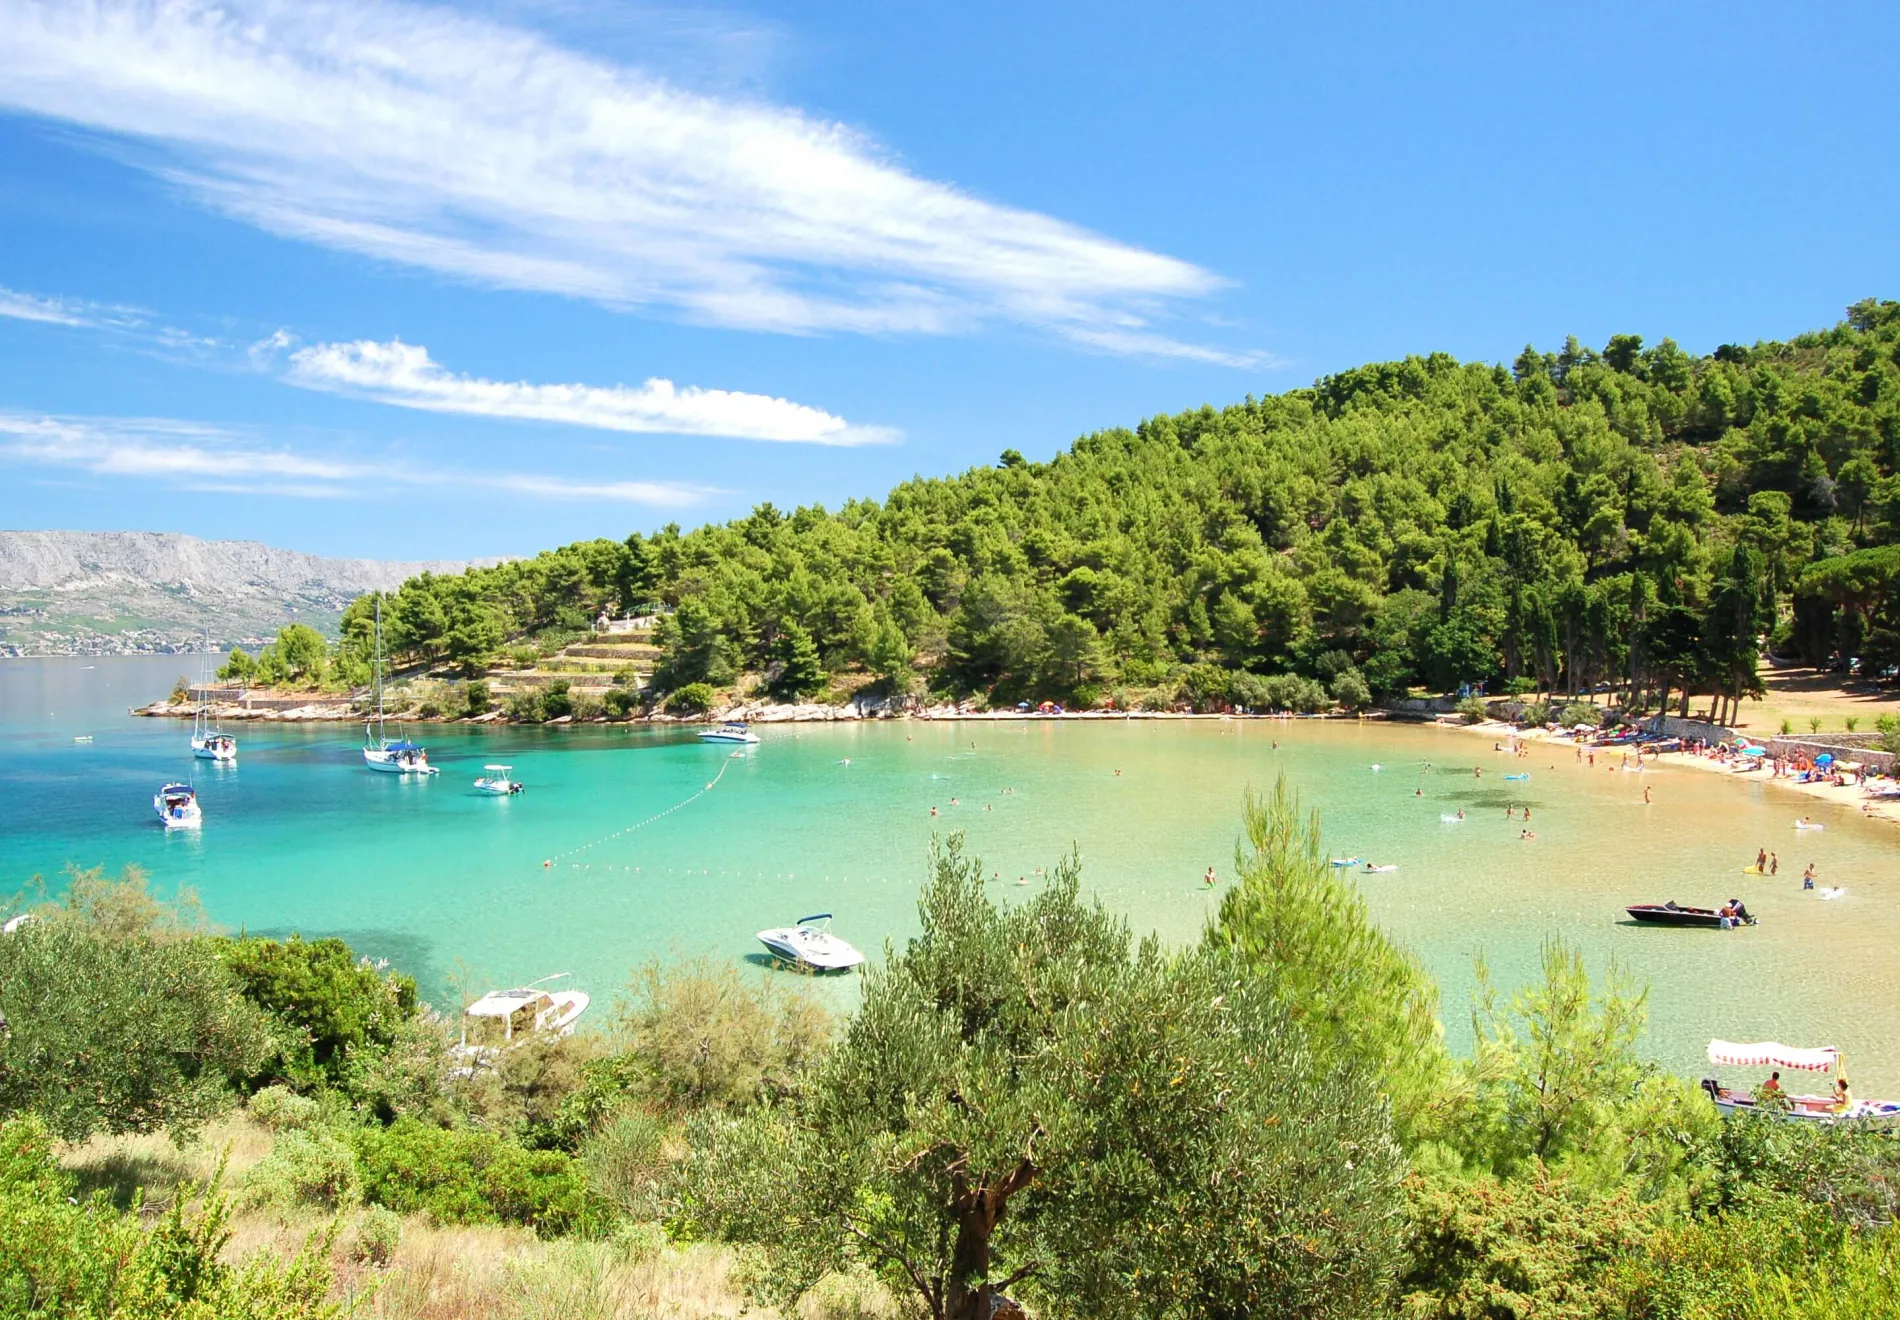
x=52, y=311
x=405, y=375
x=193, y=456
x=487, y=152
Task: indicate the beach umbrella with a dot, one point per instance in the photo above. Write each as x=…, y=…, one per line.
x=1754, y=751
x=1825, y=758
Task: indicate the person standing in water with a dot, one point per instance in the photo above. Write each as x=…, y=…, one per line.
x=1208, y=879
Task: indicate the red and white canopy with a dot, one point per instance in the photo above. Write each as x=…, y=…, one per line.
x=1772, y=1054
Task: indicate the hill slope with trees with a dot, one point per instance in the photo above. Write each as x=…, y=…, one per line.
x=1635, y=517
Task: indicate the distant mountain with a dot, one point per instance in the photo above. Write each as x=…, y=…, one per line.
x=112, y=593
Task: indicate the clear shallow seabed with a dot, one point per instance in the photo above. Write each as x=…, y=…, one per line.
x=450, y=884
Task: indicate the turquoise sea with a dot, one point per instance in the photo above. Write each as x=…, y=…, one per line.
x=599, y=866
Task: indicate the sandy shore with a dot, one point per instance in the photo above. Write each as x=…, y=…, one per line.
x=1850, y=796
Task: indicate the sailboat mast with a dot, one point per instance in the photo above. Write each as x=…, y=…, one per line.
x=379, y=667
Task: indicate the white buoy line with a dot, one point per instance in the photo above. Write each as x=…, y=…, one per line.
x=657, y=816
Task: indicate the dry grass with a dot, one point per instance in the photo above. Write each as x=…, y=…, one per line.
x=462, y=1273
x=1798, y=695
x=157, y=1166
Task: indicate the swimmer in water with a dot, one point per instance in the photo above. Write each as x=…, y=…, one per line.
x=1461, y=813
x=1208, y=879
x=1645, y=794
x=1418, y=792
x=933, y=811
x=1527, y=835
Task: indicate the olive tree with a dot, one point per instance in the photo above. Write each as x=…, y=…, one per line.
x=1030, y=1102
x=128, y=1033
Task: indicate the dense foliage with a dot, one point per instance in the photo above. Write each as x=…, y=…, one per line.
x=330, y=1008
x=1028, y=1100
x=1635, y=517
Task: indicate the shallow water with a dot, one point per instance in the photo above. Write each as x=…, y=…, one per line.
x=451, y=886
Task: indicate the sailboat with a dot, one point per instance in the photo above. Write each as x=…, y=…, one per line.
x=391, y=756
x=208, y=743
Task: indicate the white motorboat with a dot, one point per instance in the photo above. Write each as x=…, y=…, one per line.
x=505, y=1019
x=208, y=743
x=732, y=731
x=177, y=807
x=393, y=756
x=1794, y=1108
x=812, y=945
x=494, y=779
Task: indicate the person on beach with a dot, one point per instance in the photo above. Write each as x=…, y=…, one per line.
x=1645, y=794
x=1774, y=863
x=1527, y=815
x=1807, y=877
x=1761, y=859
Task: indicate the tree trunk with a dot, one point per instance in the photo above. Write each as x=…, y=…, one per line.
x=978, y=1210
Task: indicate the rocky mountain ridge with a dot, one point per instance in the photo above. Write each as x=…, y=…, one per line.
x=110, y=593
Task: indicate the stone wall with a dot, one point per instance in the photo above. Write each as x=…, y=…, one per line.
x=1671, y=726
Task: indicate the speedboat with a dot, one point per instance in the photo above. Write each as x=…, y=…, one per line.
x=1794, y=1108
x=1673, y=914
x=732, y=731
x=495, y=780
x=506, y=1019
x=177, y=807
x=812, y=945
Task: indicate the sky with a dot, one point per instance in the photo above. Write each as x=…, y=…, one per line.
x=403, y=281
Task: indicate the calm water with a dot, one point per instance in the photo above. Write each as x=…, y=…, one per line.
x=451, y=886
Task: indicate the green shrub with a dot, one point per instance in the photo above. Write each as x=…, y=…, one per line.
x=62, y=1258
x=1537, y=712
x=476, y=699
x=305, y=1169
x=132, y=1032
x=1889, y=729
x=470, y=1177
x=524, y=707
x=585, y=706
x=1474, y=710
x=626, y=1164
x=282, y=1110
x=1519, y=686
x=378, y=1234
x=692, y=699
x=430, y=710
x=1544, y=1246
x=1350, y=690
x=330, y=1004
x=555, y=701
x=700, y=1034
x=621, y=701
x=1580, y=712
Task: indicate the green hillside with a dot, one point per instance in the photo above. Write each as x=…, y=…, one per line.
x=1635, y=516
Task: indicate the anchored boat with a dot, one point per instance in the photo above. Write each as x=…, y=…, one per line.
x=811, y=944
x=732, y=731
x=391, y=756
x=505, y=1019
x=494, y=779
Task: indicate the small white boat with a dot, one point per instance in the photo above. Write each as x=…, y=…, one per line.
x=495, y=780
x=177, y=807
x=811, y=945
x=732, y=731
x=1793, y=1108
x=17, y=923
x=505, y=1019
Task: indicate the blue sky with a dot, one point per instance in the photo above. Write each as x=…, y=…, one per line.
x=399, y=281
